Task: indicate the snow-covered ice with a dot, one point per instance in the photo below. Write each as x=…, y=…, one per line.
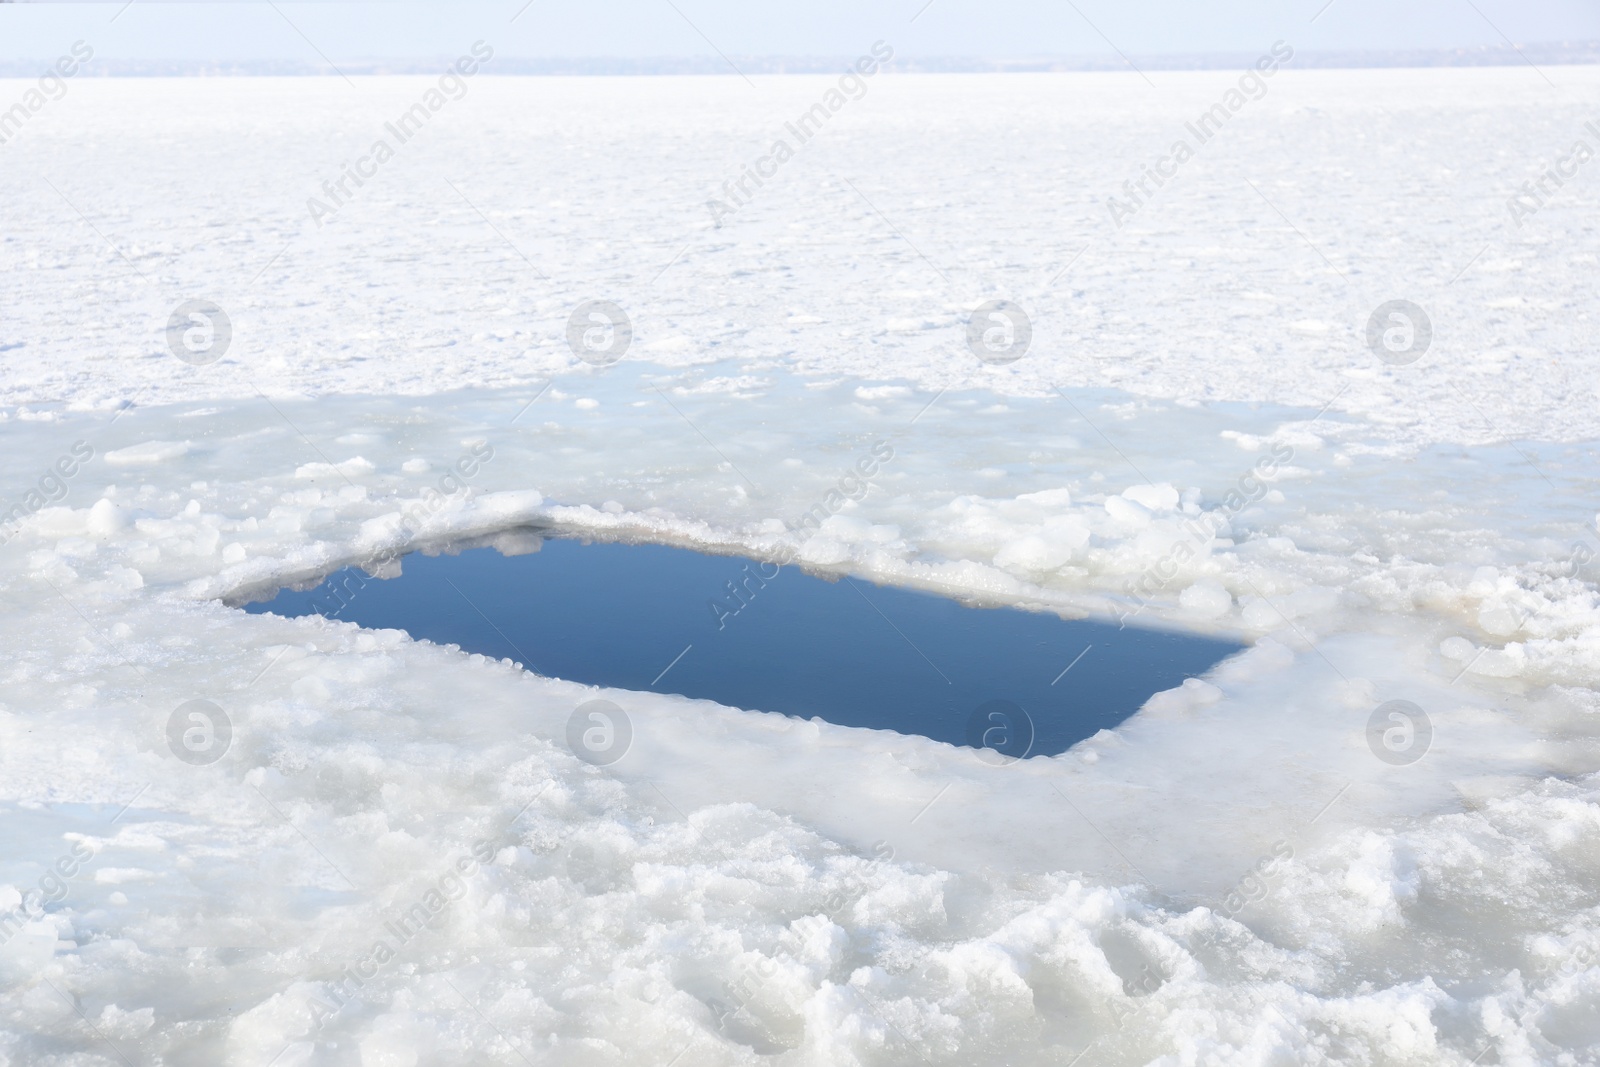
x=1198, y=436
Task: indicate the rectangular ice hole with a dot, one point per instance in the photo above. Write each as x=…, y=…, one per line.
x=757, y=636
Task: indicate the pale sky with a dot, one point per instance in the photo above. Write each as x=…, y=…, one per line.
x=678, y=28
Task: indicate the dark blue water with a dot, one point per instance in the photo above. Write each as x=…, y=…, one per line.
x=757, y=636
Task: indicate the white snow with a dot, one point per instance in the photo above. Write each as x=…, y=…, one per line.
x=1198, y=438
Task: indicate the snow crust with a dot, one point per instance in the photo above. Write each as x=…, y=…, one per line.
x=1238, y=874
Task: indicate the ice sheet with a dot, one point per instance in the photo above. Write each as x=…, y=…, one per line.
x=461, y=264
x=1237, y=874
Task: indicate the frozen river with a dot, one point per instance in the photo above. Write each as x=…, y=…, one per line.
x=1373, y=836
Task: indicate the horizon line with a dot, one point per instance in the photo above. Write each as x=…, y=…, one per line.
x=1566, y=53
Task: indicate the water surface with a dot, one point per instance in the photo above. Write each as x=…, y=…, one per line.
x=753, y=635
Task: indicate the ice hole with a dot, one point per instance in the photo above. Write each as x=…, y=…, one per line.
x=755, y=635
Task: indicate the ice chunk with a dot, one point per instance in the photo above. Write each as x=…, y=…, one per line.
x=1127, y=512
x=345, y=468
x=147, y=454
x=106, y=518
x=1161, y=497
x=1206, y=599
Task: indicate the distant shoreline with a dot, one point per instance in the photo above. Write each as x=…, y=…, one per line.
x=1549, y=53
